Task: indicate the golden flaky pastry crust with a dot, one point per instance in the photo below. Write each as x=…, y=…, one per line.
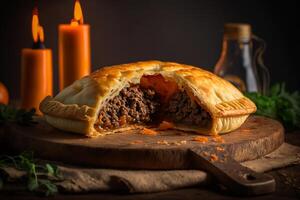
x=76, y=108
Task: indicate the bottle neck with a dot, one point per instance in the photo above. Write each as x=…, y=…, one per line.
x=236, y=47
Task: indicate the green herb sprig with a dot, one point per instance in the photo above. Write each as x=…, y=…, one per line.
x=279, y=104
x=20, y=116
x=40, y=178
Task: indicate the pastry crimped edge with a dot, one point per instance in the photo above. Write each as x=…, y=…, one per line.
x=76, y=107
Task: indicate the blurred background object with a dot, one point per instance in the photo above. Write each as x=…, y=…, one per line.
x=74, y=48
x=185, y=31
x=4, y=97
x=36, y=68
x=239, y=62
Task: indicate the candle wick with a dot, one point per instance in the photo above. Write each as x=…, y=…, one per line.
x=38, y=45
x=75, y=22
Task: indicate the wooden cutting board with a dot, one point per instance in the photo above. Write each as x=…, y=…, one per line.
x=171, y=149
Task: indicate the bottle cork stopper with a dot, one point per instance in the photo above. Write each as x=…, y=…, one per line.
x=237, y=31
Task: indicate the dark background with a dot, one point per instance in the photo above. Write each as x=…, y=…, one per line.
x=186, y=31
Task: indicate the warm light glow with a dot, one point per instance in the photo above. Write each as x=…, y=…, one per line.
x=77, y=11
x=41, y=34
x=35, y=25
x=37, y=30
x=78, y=17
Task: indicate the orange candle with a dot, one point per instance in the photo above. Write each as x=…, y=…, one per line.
x=36, y=69
x=74, y=49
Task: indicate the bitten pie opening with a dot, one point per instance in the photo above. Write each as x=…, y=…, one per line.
x=154, y=100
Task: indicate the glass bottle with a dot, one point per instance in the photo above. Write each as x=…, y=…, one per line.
x=236, y=61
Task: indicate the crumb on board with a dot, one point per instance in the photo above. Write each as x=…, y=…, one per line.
x=147, y=131
x=137, y=142
x=213, y=157
x=200, y=139
x=183, y=141
x=246, y=130
x=220, y=149
x=205, y=153
x=164, y=142
x=179, y=142
x=218, y=139
x=164, y=125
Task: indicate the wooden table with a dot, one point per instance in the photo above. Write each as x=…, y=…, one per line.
x=287, y=180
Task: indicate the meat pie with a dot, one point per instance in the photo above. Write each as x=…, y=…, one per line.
x=122, y=97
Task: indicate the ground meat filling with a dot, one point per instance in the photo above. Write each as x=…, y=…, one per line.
x=133, y=105
x=136, y=105
x=183, y=109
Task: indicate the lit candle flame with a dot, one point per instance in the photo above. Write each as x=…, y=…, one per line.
x=78, y=16
x=37, y=30
x=41, y=34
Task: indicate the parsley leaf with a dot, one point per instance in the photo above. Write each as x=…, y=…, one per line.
x=278, y=104
x=21, y=116
x=41, y=178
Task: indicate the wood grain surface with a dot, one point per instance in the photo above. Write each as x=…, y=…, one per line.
x=132, y=150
